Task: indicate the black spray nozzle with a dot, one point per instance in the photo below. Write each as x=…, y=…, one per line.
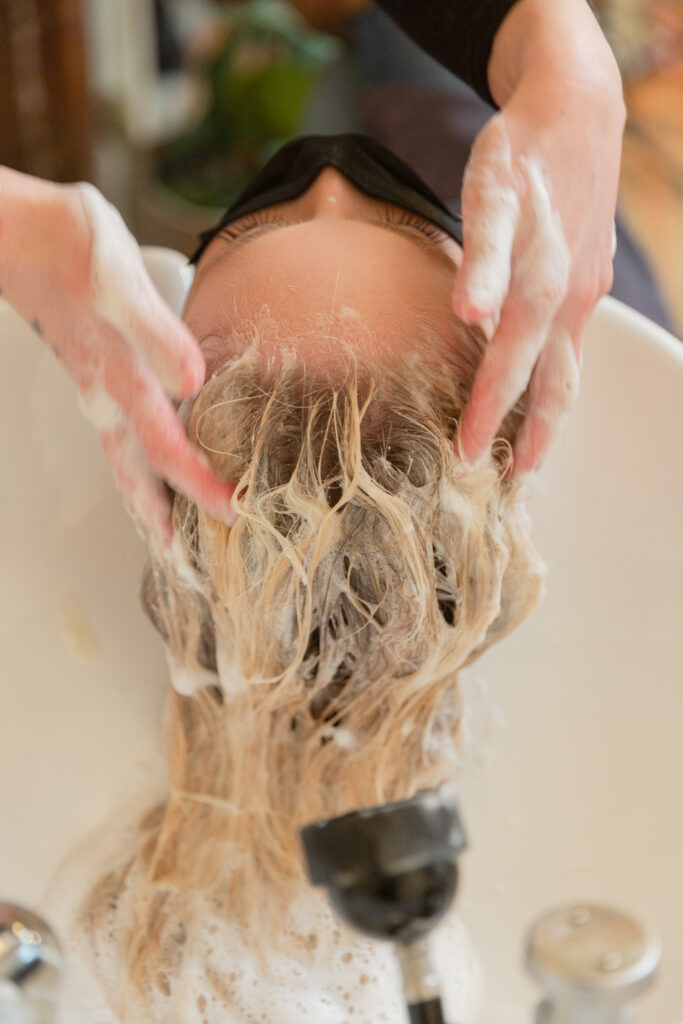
x=390, y=871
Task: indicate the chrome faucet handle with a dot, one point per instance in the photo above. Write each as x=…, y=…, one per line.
x=30, y=967
x=591, y=961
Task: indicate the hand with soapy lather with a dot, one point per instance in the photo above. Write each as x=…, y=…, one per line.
x=538, y=203
x=70, y=266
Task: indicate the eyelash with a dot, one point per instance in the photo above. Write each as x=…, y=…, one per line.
x=251, y=221
x=415, y=221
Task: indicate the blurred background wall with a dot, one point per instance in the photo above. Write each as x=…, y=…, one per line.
x=45, y=109
x=169, y=105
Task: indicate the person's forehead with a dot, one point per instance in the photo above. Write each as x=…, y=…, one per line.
x=310, y=240
x=382, y=281
x=310, y=259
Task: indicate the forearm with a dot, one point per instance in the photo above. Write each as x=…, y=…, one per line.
x=12, y=203
x=24, y=202
x=549, y=41
x=44, y=238
x=457, y=33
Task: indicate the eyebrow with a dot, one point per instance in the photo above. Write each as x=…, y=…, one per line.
x=413, y=235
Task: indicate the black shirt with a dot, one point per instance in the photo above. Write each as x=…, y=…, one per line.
x=457, y=33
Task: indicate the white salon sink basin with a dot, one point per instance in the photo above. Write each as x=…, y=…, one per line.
x=572, y=786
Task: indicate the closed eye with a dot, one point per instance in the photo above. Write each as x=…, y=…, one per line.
x=266, y=222
x=403, y=223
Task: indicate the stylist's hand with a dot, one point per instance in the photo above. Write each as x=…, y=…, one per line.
x=69, y=265
x=538, y=202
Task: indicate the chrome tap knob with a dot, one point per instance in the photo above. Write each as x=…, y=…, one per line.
x=591, y=962
x=30, y=967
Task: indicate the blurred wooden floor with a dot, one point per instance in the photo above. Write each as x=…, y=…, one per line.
x=651, y=189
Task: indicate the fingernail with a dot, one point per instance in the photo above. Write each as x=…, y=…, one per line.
x=522, y=466
x=473, y=448
x=472, y=457
x=222, y=511
x=228, y=514
x=193, y=375
x=474, y=310
x=163, y=531
x=477, y=460
x=184, y=410
x=468, y=313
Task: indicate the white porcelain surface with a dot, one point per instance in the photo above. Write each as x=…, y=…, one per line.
x=573, y=785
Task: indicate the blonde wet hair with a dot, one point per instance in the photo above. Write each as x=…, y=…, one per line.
x=367, y=566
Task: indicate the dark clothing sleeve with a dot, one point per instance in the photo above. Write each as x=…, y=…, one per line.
x=457, y=33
